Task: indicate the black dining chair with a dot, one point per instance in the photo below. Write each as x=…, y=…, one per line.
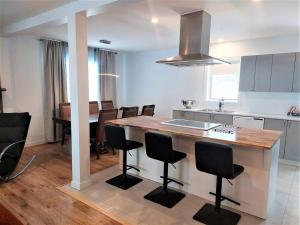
x=13, y=132
x=116, y=138
x=217, y=159
x=148, y=110
x=130, y=111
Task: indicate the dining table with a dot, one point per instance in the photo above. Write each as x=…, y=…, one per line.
x=93, y=118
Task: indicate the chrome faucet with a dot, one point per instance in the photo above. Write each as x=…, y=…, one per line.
x=221, y=103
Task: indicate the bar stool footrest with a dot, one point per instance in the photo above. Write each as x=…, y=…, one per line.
x=226, y=198
x=129, y=167
x=209, y=215
x=167, y=198
x=172, y=180
x=124, y=182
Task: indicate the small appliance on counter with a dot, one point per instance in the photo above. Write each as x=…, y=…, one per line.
x=188, y=104
x=293, y=111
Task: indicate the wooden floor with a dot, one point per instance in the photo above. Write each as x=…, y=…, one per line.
x=34, y=199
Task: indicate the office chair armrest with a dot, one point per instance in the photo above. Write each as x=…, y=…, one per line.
x=8, y=147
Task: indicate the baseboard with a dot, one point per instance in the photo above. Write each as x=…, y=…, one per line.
x=35, y=142
x=289, y=162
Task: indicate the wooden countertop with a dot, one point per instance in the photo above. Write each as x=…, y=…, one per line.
x=260, y=139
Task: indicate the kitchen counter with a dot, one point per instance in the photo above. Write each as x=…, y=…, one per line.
x=259, y=139
x=236, y=113
x=256, y=150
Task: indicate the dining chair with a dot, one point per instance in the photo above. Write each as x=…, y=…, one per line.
x=148, y=110
x=98, y=138
x=130, y=111
x=93, y=107
x=65, y=111
x=107, y=104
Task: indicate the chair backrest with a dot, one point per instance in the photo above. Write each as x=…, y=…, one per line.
x=115, y=136
x=148, y=110
x=65, y=109
x=130, y=111
x=93, y=107
x=104, y=115
x=13, y=127
x=108, y=104
x=216, y=159
x=158, y=146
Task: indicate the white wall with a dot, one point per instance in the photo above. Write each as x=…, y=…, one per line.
x=21, y=73
x=166, y=86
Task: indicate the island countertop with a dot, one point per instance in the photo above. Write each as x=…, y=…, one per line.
x=255, y=138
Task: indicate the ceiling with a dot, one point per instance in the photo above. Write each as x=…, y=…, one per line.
x=15, y=10
x=129, y=28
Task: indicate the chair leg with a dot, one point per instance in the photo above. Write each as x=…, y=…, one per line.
x=214, y=214
x=218, y=193
x=63, y=136
x=163, y=195
x=124, y=181
x=19, y=173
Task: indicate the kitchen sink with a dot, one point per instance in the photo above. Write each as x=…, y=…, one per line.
x=215, y=110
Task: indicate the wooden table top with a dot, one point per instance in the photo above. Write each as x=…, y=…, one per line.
x=254, y=138
x=92, y=119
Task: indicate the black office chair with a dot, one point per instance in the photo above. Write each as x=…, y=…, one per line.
x=148, y=110
x=13, y=133
x=217, y=159
x=159, y=147
x=116, y=138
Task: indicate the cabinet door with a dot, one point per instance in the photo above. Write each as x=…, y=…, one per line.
x=292, y=147
x=204, y=117
x=296, y=81
x=247, y=73
x=263, y=68
x=177, y=114
x=282, y=72
x=223, y=119
x=273, y=124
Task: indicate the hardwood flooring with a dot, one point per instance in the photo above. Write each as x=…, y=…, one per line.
x=34, y=198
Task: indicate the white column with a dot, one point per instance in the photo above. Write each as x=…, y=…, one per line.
x=79, y=92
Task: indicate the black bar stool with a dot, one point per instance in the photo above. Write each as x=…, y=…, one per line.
x=115, y=137
x=217, y=159
x=159, y=147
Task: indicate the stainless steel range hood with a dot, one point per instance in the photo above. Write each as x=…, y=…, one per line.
x=194, y=42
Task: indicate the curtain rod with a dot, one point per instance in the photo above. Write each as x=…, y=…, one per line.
x=103, y=49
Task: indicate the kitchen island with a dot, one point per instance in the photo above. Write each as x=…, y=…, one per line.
x=256, y=150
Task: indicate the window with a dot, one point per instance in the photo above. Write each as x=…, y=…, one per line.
x=223, y=81
x=94, y=79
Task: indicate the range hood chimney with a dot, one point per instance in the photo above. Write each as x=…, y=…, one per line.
x=194, y=42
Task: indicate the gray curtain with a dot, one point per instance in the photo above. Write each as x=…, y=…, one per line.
x=55, y=85
x=108, y=84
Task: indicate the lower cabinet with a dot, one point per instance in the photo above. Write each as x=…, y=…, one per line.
x=292, y=146
x=223, y=119
x=204, y=117
x=280, y=125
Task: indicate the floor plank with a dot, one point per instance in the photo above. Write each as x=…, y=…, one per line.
x=34, y=198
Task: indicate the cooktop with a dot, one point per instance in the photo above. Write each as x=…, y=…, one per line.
x=191, y=124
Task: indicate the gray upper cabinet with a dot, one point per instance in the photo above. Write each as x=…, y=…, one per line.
x=296, y=81
x=292, y=146
x=247, y=73
x=282, y=72
x=223, y=119
x=273, y=124
x=263, y=70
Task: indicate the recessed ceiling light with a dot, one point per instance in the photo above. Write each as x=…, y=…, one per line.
x=256, y=0
x=154, y=20
x=220, y=40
